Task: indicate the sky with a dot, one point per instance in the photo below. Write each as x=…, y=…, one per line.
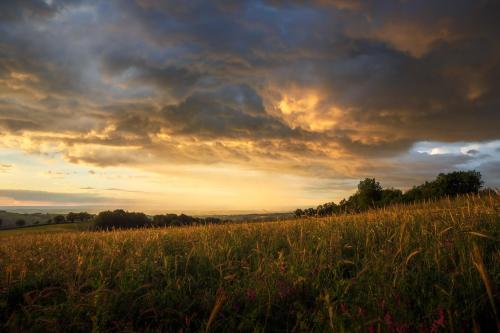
x=242, y=106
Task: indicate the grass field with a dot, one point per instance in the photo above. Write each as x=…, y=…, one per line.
x=425, y=268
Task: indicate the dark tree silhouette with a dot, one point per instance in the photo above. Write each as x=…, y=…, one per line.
x=59, y=219
x=391, y=196
x=450, y=184
x=78, y=217
x=459, y=182
x=298, y=212
x=178, y=220
x=370, y=193
x=120, y=219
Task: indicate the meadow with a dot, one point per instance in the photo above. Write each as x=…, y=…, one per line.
x=428, y=267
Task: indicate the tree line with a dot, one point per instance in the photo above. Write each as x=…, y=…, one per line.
x=370, y=194
x=120, y=219
x=39, y=219
x=70, y=218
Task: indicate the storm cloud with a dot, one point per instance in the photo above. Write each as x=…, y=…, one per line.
x=323, y=88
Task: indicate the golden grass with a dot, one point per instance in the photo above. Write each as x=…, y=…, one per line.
x=403, y=268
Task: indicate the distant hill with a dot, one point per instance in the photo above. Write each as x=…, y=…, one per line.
x=9, y=219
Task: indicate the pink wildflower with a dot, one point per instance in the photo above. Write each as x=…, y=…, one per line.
x=439, y=322
x=344, y=309
x=389, y=322
x=361, y=312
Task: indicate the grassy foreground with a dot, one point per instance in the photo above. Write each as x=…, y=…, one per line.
x=425, y=268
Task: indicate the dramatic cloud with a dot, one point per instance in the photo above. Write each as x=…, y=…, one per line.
x=334, y=90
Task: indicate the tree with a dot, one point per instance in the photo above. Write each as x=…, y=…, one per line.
x=59, y=219
x=20, y=222
x=298, y=212
x=414, y=194
x=71, y=217
x=1, y=222
x=78, y=217
x=310, y=212
x=326, y=209
x=179, y=220
x=369, y=193
x=458, y=182
x=391, y=196
x=84, y=216
x=450, y=184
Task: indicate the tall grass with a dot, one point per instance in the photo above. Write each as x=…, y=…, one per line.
x=428, y=267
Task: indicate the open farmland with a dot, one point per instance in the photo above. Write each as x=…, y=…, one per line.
x=427, y=268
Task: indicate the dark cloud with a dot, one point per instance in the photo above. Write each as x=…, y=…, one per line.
x=14, y=125
x=27, y=9
x=234, y=111
x=472, y=151
x=381, y=148
x=172, y=79
x=129, y=82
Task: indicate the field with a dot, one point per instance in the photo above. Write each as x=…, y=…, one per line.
x=431, y=267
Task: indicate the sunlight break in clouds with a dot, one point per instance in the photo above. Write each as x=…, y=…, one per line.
x=255, y=105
